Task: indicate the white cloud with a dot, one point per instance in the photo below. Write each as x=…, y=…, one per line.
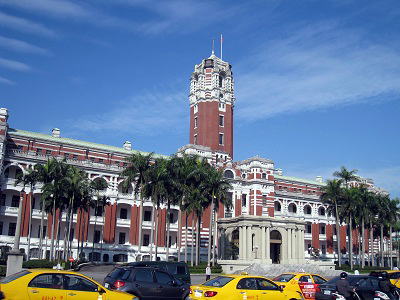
x=56, y=8
x=314, y=68
x=24, y=25
x=14, y=65
x=6, y=81
x=21, y=46
x=147, y=114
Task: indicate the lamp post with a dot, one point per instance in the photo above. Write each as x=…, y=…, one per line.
x=15, y=257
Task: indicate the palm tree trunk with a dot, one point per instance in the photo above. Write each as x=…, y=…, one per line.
x=215, y=239
x=198, y=242
x=390, y=247
x=52, y=230
x=28, y=252
x=71, y=220
x=363, y=243
x=186, y=236
x=398, y=247
x=179, y=235
x=351, y=242
x=67, y=217
x=41, y=232
x=141, y=225
x=94, y=225
x=152, y=232
x=156, y=235
x=103, y=214
x=193, y=242
x=168, y=228
x=382, y=258
x=371, y=244
x=339, y=252
x=210, y=230
x=58, y=236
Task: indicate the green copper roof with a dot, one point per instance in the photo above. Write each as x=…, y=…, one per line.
x=299, y=180
x=78, y=143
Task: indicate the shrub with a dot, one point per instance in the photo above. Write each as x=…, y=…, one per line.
x=39, y=264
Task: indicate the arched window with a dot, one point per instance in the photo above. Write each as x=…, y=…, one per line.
x=321, y=211
x=277, y=206
x=307, y=210
x=229, y=174
x=292, y=208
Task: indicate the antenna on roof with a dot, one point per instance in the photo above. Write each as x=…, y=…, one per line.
x=212, y=48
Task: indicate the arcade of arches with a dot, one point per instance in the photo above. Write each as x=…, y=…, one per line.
x=262, y=239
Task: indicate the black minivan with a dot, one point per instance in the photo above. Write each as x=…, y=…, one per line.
x=147, y=283
x=179, y=270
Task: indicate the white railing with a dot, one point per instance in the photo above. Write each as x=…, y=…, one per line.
x=296, y=194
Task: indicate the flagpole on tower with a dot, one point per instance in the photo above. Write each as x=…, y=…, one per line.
x=221, y=45
x=212, y=48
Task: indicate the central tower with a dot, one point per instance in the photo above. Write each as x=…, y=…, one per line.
x=211, y=105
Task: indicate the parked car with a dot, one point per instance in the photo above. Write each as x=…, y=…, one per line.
x=366, y=287
x=39, y=284
x=238, y=287
x=147, y=283
x=180, y=270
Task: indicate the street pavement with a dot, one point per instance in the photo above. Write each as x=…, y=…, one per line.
x=98, y=273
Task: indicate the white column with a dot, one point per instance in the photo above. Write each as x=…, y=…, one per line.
x=289, y=245
x=267, y=240
x=302, y=245
x=294, y=244
x=244, y=242
x=240, y=242
x=249, y=242
x=263, y=242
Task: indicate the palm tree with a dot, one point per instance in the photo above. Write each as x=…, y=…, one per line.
x=346, y=175
x=393, y=216
x=135, y=173
x=217, y=187
x=46, y=174
x=99, y=184
x=156, y=187
x=30, y=178
x=332, y=195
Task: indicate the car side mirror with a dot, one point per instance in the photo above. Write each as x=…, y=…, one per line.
x=281, y=287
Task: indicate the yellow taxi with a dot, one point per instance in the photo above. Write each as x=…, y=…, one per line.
x=394, y=276
x=241, y=287
x=305, y=283
x=49, y=284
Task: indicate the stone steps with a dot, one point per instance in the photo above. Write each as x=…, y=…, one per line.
x=272, y=270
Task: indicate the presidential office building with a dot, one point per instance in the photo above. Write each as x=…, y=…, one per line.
x=275, y=218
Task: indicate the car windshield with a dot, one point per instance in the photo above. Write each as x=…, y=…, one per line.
x=352, y=280
x=283, y=278
x=14, y=276
x=219, y=281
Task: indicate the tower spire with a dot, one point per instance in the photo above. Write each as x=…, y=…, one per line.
x=222, y=39
x=212, y=48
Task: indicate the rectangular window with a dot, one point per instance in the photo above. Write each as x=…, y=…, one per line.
x=44, y=231
x=146, y=240
x=322, y=229
x=195, y=122
x=123, y=214
x=96, y=238
x=15, y=201
x=195, y=109
x=99, y=211
x=308, y=228
x=1, y=228
x=3, y=200
x=195, y=139
x=38, y=151
x=48, y=152
x=121, y=238
x=221, y=120
x=221, y=138
x=75, y=157
x=264, y=200
x=66, y=155
x=92, y=159
x=11, y=229
x=171, y=218
x=147, y=215
x=244, y=202
x=101, y=160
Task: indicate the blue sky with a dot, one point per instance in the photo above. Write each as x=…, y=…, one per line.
x=317, y=82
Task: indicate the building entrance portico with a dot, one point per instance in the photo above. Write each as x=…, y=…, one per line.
x=261, y=239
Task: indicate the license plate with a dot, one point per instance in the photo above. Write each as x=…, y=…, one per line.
x=327, y=292
x=106, y=285
x=198, y=293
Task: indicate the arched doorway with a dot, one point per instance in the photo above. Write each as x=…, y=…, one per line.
x=275, y=246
